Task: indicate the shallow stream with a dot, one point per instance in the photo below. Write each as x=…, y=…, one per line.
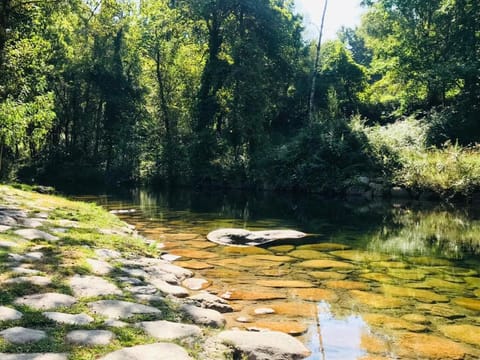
x=371, y=281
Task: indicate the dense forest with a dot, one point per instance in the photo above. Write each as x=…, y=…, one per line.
x=216, y=93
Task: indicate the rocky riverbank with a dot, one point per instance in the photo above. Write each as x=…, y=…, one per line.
x=78, y=283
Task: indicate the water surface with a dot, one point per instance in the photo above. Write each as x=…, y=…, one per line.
x=380, y=280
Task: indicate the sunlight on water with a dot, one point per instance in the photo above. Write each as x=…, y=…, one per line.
x=339, y=339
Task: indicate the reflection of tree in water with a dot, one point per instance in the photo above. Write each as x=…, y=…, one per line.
x=441, y=232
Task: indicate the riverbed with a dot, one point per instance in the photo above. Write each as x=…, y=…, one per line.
x=372, y=280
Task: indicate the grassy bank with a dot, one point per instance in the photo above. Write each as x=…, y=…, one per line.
x=81, y=228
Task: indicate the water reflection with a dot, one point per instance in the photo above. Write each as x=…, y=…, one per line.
x=336, y=339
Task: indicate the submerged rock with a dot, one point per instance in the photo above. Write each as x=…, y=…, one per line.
x=241, y=237
x=264, y=345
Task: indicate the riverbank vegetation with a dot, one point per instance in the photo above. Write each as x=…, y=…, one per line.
x=216, y=93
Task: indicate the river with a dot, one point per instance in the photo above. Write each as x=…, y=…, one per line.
x=376, y=280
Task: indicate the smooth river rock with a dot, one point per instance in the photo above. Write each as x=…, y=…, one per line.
x=46, y=301
x=210, y=301
x=201, y=316
x=158, y=351
x=264, y=345
x=90, y=337
x=33, y=234
x=90, y=286
x=34, y=356
x=116, y=309
x=166, y=330
x=9, y=314
x=242, y=237
x=21, y=335
x=62, y=318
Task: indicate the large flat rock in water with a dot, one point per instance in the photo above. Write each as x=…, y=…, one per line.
x=46, y=301
x=242, y=237
x=158, y=351
x=116, y=309
x=264, y=345
x=34, y=356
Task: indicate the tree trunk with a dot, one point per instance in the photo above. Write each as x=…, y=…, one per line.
x=315, y=67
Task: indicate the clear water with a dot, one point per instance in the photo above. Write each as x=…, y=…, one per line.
x=405, y=286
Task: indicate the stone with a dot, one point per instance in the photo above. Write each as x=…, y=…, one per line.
x=4, y=228
x=285, y=283
x=7, y=244
x=34, y=356
x=252, y=295
x=243, y=319
x=143, y=290
x=70, y=319
x=9, y=314
x=264, y=345
x=31, y=222
x=346, y=285
x=416, y=318
x=24, y=270
x=34, y=234
x=388, y=264
x=376, y=301
x=421, y=295
x=442, y=310
x=468, y=334
x=99, y=267
x=428, y=347
x=115, y=323
x=21, y=335
x=241, y=237
x=324, y=247
x=393, y=323
x=405, y=274
x=135, y=272
x=193, y=254
x=361, y=256
x=314, y=294
x=295, y=309
x=308, y=254
x=201, y=316
x=196, y=284
x=169, y=331
x=378, y=277
x=210, y=301
x=264, y=311
x=108, y=254
x=468, y=303
x=245, y=262
x=429, y=261
x=170, y=257
x=434, y=283
x=327, y=275
x=91, y=286
x=291, y=328
x=116, y=309
x=169, y=289
x=251, y=250
x=7, y=220
x=46, y=301
x=34, y=280
x=325, y=264
x=282, y=248
x=158, y=351
x=194, y=265
x=473, y=281
x=90, y=337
